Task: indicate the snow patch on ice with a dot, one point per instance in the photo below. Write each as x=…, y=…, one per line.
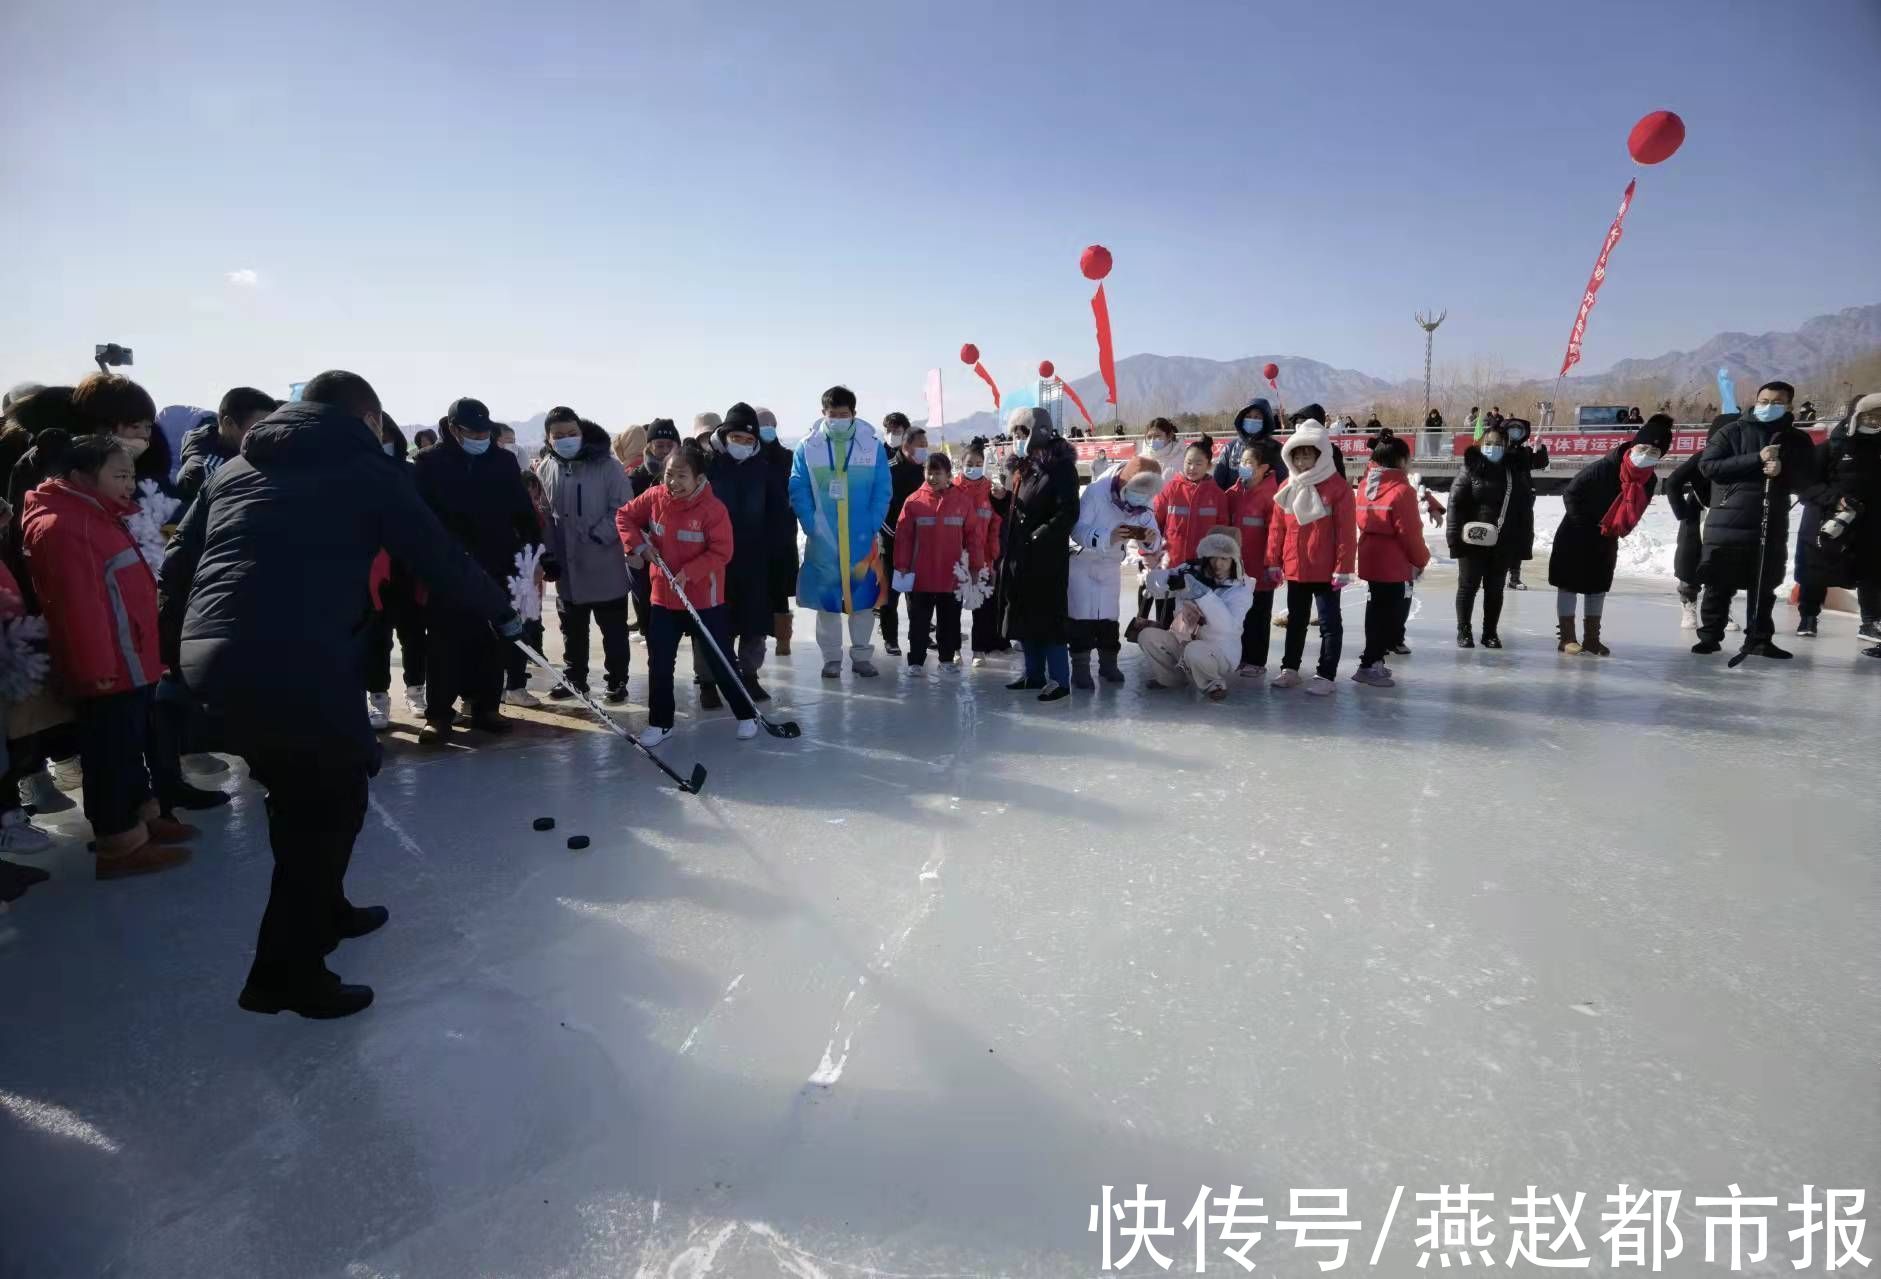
x=56, y=1121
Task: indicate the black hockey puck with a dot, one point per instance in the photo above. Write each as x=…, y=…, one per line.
x=577, y=841
x=545, y=823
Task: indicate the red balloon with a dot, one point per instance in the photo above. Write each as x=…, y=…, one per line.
x=969, y=354
x=1046, y=368
x=1095, y=262
x=1656, y=137
x=1270, y=371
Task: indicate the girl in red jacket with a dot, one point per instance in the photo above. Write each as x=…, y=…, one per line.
x=974, y=479
x=1391, y=553
x=1187, y=508
x=689, y=526
x=939, y=524
x=100, y=603
x=1311, y=546
x=1253, y=507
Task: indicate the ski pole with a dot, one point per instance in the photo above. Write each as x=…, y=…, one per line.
x=789, y=727
x=690, y=785
x=1756, y=587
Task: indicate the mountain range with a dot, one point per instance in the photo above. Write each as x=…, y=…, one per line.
x=1172, y=384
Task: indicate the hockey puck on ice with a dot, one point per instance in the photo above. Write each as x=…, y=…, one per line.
x=545, y=823
x=577, y=841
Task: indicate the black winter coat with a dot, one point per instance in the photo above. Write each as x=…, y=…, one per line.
x=1036, y=538
x=785, y=559
x=749, y=493
x=481, y=500
x=1522, y=461
x=1476, y=494
x=1688, y=493
x=906, y=477
x=1583, y=559
x=1732, y=463
x=1848, y=469
x=204, y=450
x=263, y=600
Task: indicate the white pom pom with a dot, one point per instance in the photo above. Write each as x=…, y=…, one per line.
x=524, y=596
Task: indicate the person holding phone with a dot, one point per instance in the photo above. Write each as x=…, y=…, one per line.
x=1114, y=512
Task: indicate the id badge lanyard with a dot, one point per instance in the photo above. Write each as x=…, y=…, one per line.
x=839, y=494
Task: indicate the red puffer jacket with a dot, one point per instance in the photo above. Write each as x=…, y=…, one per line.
x=1186, y=510
x=693, y=536
x=1253, y=512
x=1391, y=540
x=933, y=532
x=985, y=517
x=98, y=596
x=1314, y=552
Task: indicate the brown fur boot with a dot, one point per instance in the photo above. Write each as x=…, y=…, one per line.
x=133, y=853
x=1567, y=643
x=1592, y=643
x=781, y=626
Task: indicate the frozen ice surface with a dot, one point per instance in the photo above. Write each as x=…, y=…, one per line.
x=900, y=997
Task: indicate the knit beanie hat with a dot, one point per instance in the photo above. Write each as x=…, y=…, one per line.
x=740, y=417
x=662, y=428
x=1656, y=433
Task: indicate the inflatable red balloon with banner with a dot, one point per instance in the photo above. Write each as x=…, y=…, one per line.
x=1096, y=262
x=970, y=354
x=1049, y=371
x=1271, y=372
x=1046, y=368
x=1656, y=137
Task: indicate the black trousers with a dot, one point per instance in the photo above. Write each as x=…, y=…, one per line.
x=924, y=608
x=887, y=615
x=467, y=660
x=665, y=626
x=1099, y=633
x=316, y=807
x=1384, y=619
x=1301, y=597
x=114, y=749
x=1257, y=631
x=1867, y=597
x=515, y=665
x=406, y=620
x=1730, y=569
x=611, y=616
x=1487, y=574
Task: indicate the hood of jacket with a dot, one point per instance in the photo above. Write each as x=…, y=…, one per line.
x=1256, y=419
x=303, y=434
x=1476, y=464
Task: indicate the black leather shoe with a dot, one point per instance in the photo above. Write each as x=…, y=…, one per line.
x=1705, y=646
x=1764, y=648
x=490, y=722
x=195, y=798
x=1023, y=685
x=319, y=1000
x=362, y=920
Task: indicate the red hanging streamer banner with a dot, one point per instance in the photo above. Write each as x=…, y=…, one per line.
x=988, y=379
x=1594, y=282
x=1066, y=388
x=1106, y=360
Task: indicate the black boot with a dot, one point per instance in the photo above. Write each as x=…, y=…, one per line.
x=1107, y=668
x=754, y=690
x=1764, y=648
x=1081, y=672
x=1465, y=638
x=1806, y=626
x=196, y=798
x=322, y=998
x=1025, y=685
x=1491, y=639
x=1592, y=643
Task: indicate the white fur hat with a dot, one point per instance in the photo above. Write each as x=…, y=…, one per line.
x=1221, y=540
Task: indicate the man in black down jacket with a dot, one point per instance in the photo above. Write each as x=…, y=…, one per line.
x=1847, y=490
x=907, y=471
x=219, y=440
x=741, y=478
x=477, y=491
x=265, y=610
x=1689, y=495
x=783, y=533
x=1763, y=445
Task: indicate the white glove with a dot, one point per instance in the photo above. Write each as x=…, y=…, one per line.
x=1341, y=580
x=902, y=582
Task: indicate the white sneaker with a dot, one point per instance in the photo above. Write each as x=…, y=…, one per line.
x=1319, y=686
x=978, y=661
x=521, y=697
x=950, y=668
x=67, y=774
x=1730, y=624
x=651, y=737
x=415, y=698
x=1251, y=672
x=19, y=835
x=1688, y=615
x=378, y=711
x=1287, y=679
x=747, y=729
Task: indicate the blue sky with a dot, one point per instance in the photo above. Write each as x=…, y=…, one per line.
x=660, y=208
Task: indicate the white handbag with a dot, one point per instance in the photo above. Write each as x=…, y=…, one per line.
x=1482, y=532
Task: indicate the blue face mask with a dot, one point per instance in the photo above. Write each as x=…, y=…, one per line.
x=1018, y=447
x=1247, y=473
x=566, y=445
x=474, y=447
x=1493, y=452
x=1769, y=412
x=767, y=433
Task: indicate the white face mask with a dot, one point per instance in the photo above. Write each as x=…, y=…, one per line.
x=739, y=452
x=894, y=439
x=134, y=446
x=979, y=472
x=1644, y=458
x=566, y=445
x=1153, y=448
x=1769, y=412
x=919, y=455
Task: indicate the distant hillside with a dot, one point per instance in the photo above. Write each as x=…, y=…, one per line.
x=1808, y=356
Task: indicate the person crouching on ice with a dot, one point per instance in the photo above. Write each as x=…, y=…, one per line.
x=1311, y=546
x=1203, y=639
x=691, y=530
x=1189, y=505
x=939, y=525
x=1391, y=553
x=1113, y=512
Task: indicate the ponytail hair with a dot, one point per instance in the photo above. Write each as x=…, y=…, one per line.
x=1389, y=450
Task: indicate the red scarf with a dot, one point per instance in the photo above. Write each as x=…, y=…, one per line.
x=1630, y=506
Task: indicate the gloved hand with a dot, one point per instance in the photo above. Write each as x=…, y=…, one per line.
x=902, y=582
x=551, y=569
x=1341, y=580
x=1276, y=575
x=509, y=626
x=636, y=561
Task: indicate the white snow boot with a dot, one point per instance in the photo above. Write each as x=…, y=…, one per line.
x=67, y=774
x=378, y=711
x=1319, y=686
x=1688, y=615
